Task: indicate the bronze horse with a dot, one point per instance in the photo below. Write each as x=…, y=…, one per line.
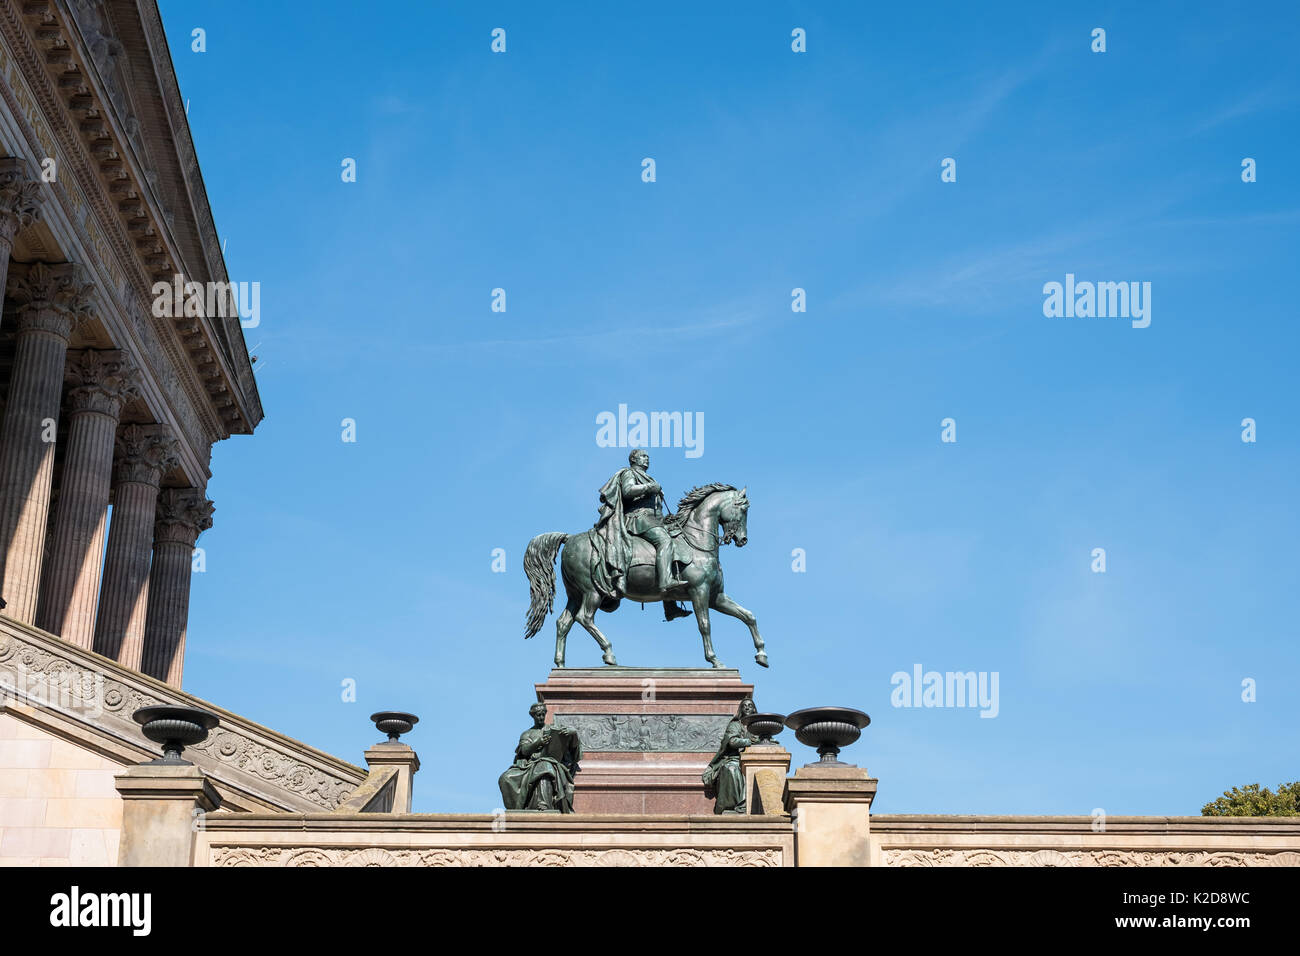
x=699, y=516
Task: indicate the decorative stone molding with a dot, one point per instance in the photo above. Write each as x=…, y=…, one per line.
x=238, y=750
x=647, y=733
x=87, y=689
x=1086, y=858
x=36, y=673
x=224, y=855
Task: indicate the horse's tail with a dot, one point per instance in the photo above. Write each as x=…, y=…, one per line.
x=539, y=565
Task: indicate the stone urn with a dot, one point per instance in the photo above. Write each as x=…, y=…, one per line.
x=827, y=729
x=764, y=727
x=394, y=723
x=175, y=728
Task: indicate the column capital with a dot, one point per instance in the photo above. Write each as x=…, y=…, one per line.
x=52, y=298
x=20, y=197
x=101, y=380
x=183, y=515
x=145, y=453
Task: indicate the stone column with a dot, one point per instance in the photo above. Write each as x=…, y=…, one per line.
x=145, y=454
x=53, y=301
x=183, y=514
x=101, y=382
x=20, y=199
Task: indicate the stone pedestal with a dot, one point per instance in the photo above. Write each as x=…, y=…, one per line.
x=765, y=767
x=647, y=733
x=832, y=807
x=404, y=761
x=162, y=807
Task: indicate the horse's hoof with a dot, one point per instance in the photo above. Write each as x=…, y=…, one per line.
x=610, y=660
x=559, y=663
x=761, y=658
x=719, y=664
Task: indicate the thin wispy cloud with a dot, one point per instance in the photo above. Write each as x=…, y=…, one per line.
x=1266, y=100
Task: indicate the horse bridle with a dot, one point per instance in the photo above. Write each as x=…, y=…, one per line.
x=686, y=533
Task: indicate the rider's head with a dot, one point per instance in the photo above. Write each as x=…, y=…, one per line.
x=639, y=456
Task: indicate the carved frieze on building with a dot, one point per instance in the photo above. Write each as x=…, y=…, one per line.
x=488, y=857
x=54, y=674
x=1087, y=858
x=647, y=733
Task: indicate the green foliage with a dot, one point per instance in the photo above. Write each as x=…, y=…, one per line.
x=1251, y=801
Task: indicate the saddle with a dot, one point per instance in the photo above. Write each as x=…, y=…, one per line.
x=643, y=552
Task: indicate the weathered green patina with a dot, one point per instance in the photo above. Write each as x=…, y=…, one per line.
x=546, y=761
x=724, y=781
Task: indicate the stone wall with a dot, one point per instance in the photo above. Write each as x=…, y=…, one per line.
x=58, y=804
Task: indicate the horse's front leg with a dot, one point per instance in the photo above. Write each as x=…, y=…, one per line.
x=700, y=601
x=727, y=606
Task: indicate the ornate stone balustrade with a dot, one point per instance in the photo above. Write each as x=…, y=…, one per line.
x=93, y=697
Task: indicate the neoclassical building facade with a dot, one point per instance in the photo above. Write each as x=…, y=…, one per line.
x=113, y=390
x=111, y=394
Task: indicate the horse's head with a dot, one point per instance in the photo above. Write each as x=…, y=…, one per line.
x=732, y=516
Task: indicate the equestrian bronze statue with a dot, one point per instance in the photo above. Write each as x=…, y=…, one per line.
x=635, y=551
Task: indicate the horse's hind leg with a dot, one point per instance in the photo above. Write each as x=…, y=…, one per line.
x=586, y=615
x=562, y=625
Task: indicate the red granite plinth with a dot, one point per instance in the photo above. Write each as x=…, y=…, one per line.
x=647, y=732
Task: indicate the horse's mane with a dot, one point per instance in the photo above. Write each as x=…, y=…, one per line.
x=691, y=499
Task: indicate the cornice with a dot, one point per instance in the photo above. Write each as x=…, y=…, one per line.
x=61, y=45
x=165, y=74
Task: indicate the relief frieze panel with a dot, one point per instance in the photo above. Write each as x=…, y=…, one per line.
x=1086, y=858
x=490, y=857
x=647, y=733
x=39, y=674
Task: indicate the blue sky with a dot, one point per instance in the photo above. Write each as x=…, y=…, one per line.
x=475, y=429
